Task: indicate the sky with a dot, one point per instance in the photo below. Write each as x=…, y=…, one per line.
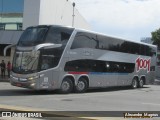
x=11, y=6
x=128, y=19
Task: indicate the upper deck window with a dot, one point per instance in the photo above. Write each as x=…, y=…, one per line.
x=38, y=35
x=58, y=35
x=85, y=40
x=94, y=41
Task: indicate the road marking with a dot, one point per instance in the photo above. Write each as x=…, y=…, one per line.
x=20, y=108
x=45, y=111
x=151, y=104
x=30, y=109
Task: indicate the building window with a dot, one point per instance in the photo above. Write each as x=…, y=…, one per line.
x=10, y=26
x=2, y=26
x=19, y=26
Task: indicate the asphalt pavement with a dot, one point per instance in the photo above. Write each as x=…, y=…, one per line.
x=14, y=98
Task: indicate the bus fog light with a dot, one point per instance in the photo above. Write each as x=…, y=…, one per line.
x=11, y=76
x=33, y=77
x=32, y=85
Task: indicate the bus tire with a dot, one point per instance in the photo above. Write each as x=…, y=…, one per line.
x=66, y=86
x=141, y=83
x=134, y=83
x=81, y=86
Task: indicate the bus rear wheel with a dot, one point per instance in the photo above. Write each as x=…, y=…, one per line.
x=134, y=83
x=81, y=86
x=141, y=83
x=66, y=86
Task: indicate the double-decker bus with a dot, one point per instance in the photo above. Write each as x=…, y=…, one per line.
x=49, y=57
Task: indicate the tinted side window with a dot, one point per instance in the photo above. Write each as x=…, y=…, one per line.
x=108, y=43
x=147, y=50
x=125, y=47
x=50, y=57
x=88, y=40
x=113, y=44
x=135, y=48
x=99, y=66
x=58, y=35
x=152, y=51
x=120, y=67
x=143, y=50
x=84, y=40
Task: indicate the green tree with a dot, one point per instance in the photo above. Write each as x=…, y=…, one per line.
x=156, y=37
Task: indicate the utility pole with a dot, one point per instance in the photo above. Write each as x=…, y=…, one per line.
x=73, y=13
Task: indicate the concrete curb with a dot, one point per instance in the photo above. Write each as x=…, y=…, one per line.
x=6, y=79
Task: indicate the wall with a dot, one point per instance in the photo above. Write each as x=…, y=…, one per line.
x=59, y=12
x=31, y=13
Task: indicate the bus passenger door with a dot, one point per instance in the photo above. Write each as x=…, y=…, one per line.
x=46, y=79
x=49, y=59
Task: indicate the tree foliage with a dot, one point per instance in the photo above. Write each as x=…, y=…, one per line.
x=156, y=37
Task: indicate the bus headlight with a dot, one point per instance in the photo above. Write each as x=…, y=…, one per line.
x=11, y=76
x=33, y=78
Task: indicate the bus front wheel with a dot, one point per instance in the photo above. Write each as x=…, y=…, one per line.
x=81, y=85
x=134, y=83
x=66, y=86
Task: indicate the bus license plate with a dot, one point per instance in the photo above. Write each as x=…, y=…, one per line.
x=18, y=84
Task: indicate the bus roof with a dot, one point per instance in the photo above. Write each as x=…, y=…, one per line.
x=89, y=31
x=83, y=30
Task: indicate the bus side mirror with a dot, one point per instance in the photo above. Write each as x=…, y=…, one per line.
x=46, y=46
x=53, y=46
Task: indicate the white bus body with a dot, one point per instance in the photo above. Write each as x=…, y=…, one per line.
x=78, y=59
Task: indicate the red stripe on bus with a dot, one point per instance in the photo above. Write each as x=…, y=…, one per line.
x=78, y=73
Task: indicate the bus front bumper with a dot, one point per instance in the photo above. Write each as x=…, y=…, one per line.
x=31, y=84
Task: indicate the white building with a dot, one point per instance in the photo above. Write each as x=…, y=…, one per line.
x=59, y=12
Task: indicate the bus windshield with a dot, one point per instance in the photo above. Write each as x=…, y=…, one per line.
x=29, y=62
x=25, y=62
x=33, y=36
